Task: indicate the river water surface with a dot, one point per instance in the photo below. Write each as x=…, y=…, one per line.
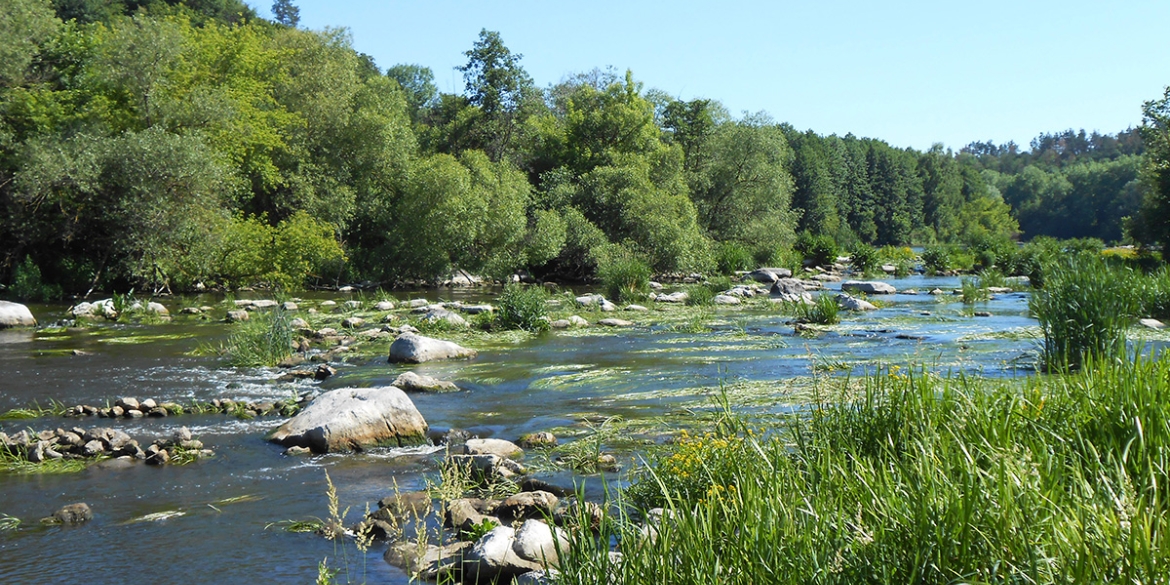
x=217, y=509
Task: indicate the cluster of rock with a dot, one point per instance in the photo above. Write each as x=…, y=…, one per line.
x=15, y=315
x=134, y=408
x=106, y=309
x=79, y=443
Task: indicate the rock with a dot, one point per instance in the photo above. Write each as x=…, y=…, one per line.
x=328, y=304
x=490, y=466
x=464, y=514
x=560, y=324
x=264, y=304
x=910, y=291
x=354, y=418
x=352, y=322
x=889, y=268
x=15, y=315
x=157, y=309
x=147, y=404
x=636, y=308
x=428, y=563
x=1152, y=323
x=416, y=349
x=298, y=324
x=403, y=505
x=462, y=278
x=590, y=300
x=538, y=440
x=412, y=382
x=73, y=514
x=539, y=542
x=491, y=558
x=769, y=275
x=384, y=306
x=498, y=447
x=789, y=290
x=869, y=287
x=295, y=451
x=615, y=323
x=353, y=305
x=854, y=304
x=540, y=577
x=936, y=292
x=477, y=309
x=418, y=303
x=289, y=306
x=528, y=505
x=1018, y=281
x=725, y=300
x=157, y=456
x=128, y=403
x=674, y=297
x=323, y=372
x=982, y=314
x=451, y=318
x=237, y=316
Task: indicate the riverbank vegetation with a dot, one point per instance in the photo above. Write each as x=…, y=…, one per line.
x=173, y=145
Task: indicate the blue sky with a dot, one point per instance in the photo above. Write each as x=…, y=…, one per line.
x=912, y=73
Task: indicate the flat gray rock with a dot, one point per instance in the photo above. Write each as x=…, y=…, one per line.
x=869, y=287
x=412, y=382
x=349, y=419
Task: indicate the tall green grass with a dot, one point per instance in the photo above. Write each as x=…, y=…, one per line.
x=626, y=279
x=523, y=307
x=264, y=340
x=1084, y=309
x=917, y=479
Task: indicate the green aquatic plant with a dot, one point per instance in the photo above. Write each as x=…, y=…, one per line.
x=523, y=307
x=626, y=279
x=973, y=291
x=264, y=340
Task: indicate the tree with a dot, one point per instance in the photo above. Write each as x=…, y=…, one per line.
x=1153, y=222
x=286, y=13
x=24, y=26
x=498, y=86
x=418, y=84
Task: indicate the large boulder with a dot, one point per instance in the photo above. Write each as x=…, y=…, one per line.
x=15, y=315
x=538, y=542
x=789, y=290
x=416, y=349
x=349, y=419
x=769, y=275
x=869, y=287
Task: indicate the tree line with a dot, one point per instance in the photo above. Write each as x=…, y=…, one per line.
x=169, y=144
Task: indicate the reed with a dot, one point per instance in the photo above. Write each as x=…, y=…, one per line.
x=1084, y=309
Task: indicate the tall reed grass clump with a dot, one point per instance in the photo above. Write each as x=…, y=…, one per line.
x=917, y=479
x=626, y=279
x=264, y=340
x=1084, y=309
x=523, y=307
x=823, y=311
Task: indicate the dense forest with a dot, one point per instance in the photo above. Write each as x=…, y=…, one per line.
x=170, y=144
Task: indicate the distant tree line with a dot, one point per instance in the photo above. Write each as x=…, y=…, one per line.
x=167, y=143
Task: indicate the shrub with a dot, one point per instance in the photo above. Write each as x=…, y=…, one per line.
x=264, y=340
x=823, y=311
x=936, y=259
x=821, y=250
x=730, y=257
x=1084, y=310
x=700, y=296
x=523, y=307
x=625, y=278
x=28, y=286
x=864, y=257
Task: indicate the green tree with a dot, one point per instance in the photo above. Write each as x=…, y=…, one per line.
x=286, y=13
x=498, y=86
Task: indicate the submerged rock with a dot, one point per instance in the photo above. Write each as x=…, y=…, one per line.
x=72, y=514
x=416, y=349
x=15, y=315
x=350, y=419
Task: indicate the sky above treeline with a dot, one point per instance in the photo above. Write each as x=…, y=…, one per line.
x=911, y=73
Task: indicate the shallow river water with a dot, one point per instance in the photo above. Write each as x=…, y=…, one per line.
x=219, y=508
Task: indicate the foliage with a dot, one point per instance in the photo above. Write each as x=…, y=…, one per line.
x=700, y=296
x=1084, y=310
x=864, y=258
x=1048, y=480
x=523, y=307
x=266, y=339
x=821, y=250
x=936, y=259
x=731, y=256
x=626, y=279
x=823, y=311
x=27, y=284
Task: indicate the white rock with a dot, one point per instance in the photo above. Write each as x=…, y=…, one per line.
x=537, y=541
x=615, y=323
x=384, y=306
x=411, y=348
x=412, y=382
x=497, y=447
x=1152, y=323
x=725, y=300
x=869, y=287
x=353, y=418
x=492, y=558
x=853, y=304
x=636, y=308
x=15, y=315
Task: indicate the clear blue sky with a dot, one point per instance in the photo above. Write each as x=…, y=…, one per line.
x=912, y=73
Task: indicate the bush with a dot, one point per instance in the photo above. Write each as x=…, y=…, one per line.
x=730, y=257
x=625, y=278
x=700, y=296
x=864, y=258
x=821, y=250
x=1084, y=310
x=523, y=307
x=264, y=340
x=936, y=259
x=28, y=286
